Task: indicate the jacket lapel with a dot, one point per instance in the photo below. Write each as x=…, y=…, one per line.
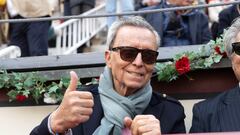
x=192, y=28
x=95, y=119
x=155, y=107
x=229, y=111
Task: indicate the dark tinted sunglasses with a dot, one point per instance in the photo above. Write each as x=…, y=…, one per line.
x=236, y=48
x=130, y=53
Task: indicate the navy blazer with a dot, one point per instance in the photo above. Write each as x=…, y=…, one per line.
x=79, y=2
x=168, y=110
x=226, y=17
x=219, y=114
x=197, y=23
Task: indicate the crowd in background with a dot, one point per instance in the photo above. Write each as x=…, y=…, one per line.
x=176, y=28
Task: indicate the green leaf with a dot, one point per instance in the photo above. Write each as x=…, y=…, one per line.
x=12, y=94
x=19, y=85
x=26, y=92
x=217, y=58
x=29, y=82
x=53, y=89
x=65, y=81
x=2, y=84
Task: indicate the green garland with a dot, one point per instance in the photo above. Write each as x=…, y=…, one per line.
x=188, y=61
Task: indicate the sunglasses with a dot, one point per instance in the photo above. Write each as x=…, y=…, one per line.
x=236, y=48
x=130, y=53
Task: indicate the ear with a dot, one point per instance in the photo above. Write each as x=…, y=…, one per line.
x=108, y=58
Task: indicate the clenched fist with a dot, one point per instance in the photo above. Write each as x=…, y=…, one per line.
x=143, y=125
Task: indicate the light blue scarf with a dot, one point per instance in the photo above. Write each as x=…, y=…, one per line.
x=117, y=107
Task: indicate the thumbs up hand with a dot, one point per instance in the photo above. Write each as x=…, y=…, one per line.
x=143, y=124
x=75, y=108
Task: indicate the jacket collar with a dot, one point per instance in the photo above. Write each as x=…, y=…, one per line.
x=231, y=96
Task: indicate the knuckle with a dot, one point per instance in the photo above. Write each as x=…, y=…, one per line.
x=91, y=103
x=84, y=118
x=141, y=130
x=90, y=111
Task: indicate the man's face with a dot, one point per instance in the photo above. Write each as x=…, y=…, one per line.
x=236, y=61
x=131, y=76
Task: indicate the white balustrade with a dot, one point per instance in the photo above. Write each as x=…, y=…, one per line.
x=10, y=52
x=74, y=33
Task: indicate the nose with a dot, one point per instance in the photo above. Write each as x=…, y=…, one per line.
x=138, y=60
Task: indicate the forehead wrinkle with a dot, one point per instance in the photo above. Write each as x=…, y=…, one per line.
x=139, y=40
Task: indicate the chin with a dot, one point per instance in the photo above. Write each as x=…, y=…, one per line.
x=134, y=85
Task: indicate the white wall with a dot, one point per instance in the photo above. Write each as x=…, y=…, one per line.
x=188, y=104
x=21, y=120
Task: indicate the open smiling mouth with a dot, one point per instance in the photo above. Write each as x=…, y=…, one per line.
x=135, y=74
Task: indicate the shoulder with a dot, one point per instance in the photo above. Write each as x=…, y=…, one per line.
x=166, y=98
x=199, y=14
x=211, y=105
x=227, y=11
x=168, y=102
x=151, y=7
x=169, y=111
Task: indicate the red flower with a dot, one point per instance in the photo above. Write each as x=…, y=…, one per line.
x=217, y=49
x=21, y=98
x=182, y=65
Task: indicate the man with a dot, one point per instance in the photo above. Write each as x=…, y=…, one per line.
x=111, y=8
x=31, y=37
x=123, y=102
x=221, y=114
x=182, y=27
x=77, y=7
x=226, y=17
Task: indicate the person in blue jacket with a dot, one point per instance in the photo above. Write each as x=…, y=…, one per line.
x=180, y=27
x=123, y=102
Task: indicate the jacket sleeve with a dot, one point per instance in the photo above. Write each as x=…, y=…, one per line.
x=197, y=123
x=224, y=21
x=179, y=126
x=41, y=129
x=206, y=33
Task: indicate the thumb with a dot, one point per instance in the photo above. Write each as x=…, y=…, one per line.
x=127, y=122
x=73, y=82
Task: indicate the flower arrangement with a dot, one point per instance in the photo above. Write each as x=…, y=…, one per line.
x=22, y=86
x=188, y=61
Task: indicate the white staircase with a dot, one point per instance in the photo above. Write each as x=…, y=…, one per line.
x=75, y=32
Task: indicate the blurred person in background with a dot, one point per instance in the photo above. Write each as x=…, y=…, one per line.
x=31, y=37
x=213, y=14
x=76, y=7
x=3, y=26
x=227, y=16
x=112, y=7
x=145, y=3
x=180, y=27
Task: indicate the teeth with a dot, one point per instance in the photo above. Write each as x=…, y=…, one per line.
x=137, y=74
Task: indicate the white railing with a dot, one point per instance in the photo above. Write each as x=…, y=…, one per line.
x=10, y=52
x=75, y=32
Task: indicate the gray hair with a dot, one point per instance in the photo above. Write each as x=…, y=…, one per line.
x=230, y=35
x=130, y=21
